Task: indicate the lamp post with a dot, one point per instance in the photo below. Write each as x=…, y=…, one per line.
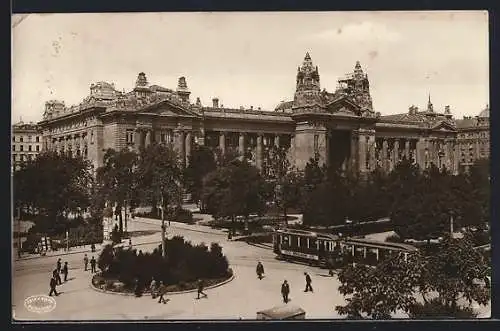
x=163, y=230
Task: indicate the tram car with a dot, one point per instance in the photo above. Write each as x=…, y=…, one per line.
x=331, y=251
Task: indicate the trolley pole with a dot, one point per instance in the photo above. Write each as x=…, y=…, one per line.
x=163, y=230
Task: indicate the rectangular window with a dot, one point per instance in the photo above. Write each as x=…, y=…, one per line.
x=92, y=136
x=29, y=148
x=13, y=148
x=13, y=139
x=316, y=143
x=163, y=137
x=21, y=139
x=21, y=147
x=37, y=139
x=38, y=148
x=130, y=136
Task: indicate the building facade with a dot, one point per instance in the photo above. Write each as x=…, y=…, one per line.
x=26, y=143
x=340, y=128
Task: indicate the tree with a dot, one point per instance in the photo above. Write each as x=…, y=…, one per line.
x=395, y=282
x=235, y=190
x=285, y=179
x=117, y=179
x=159, y=179
x=54, y=186
x=481, y=189
x=313, y=176
x=201, y=162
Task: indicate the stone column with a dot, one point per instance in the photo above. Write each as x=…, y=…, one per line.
x=407, y=149
x=372, y=158
x=137, y=140
x=277, y=140
x=396, y=152
x=362, y=153
x=222, y=142
x=258, y=156
x=201, y=137
x=188, y=146
x=148, y=138
x=456, y=157
x=182, y=147
x=384, y=159
x=241, y=144
x=353, y=155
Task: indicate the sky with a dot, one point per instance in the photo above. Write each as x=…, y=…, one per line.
x=251, y=59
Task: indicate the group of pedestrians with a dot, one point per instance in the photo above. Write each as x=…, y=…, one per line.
x=159, y=290
x=93, y=263
x=55, y=280
x=285, y=286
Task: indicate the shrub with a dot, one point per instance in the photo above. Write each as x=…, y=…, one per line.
x=184, y=263
x=116, y=237
x=434, y=309
x=31, y=243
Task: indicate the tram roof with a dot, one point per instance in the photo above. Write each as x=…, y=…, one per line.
x=306, y=233
x=380, y=244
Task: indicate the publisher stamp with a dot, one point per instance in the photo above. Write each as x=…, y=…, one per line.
x=40, y=304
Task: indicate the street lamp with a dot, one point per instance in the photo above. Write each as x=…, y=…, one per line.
x=163, y=230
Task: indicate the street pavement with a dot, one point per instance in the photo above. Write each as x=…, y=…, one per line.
x=239, y=299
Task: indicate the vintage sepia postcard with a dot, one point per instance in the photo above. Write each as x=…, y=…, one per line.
x=250, y=166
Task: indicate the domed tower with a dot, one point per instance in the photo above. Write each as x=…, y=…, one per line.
x=308, y=87
x=182, y=89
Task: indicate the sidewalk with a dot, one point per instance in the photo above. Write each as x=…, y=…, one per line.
x=73, y=250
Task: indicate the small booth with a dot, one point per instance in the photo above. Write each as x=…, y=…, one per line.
x=285, y=312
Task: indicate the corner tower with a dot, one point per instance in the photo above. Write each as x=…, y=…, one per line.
x=307, y=91
x=357, y=86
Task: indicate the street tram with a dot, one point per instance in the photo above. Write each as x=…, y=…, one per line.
x=329, y=250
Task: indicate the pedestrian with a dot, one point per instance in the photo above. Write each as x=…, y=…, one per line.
x=330, y=273
x=162, y=290
x=200, y=289
x=65, y=271
x=285, y=291
x=260, y=270
x=137, y=289
x=308, y=283
x=57, y=276
x=152, y=287
x=92, y=264
x=86, y=261
x=53, y=284
x=92, y=248
x=58, y=265
x=130, y=243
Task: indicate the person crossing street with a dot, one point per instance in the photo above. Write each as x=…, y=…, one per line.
x=162, y=290
x=53, y=284
x=86, y=262
x=65, y=271
x=200, y=289
x=57, y=276
x=285, y=291
x=308, y=283
x=260, y=270
x=92, y=264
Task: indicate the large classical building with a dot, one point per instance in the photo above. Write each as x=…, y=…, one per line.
x=26, y=143
x=341, y=128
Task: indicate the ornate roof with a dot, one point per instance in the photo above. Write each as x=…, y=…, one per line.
x=485, y=113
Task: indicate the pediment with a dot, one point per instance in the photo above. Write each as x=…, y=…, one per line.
x=344, y=106
x=443, y=126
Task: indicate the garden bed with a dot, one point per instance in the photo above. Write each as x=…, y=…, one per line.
x=113, y=285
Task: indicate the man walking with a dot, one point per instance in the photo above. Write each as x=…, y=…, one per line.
x=200, y=289
x=162, y=290
x=53, y=284
x=152, y=288
x=65, y=271
x=260, y=270
x=92, y=264
x=56, y=276
x=308, y=283
x=58, y=265
x=86, y=261
x=285, y=291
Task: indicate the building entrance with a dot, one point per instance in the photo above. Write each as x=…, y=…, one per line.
x=339, y=149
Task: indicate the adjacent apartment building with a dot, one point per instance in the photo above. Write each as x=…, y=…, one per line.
x=26, y=143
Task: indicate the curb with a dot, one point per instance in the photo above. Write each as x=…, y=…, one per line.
x=168, y=293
